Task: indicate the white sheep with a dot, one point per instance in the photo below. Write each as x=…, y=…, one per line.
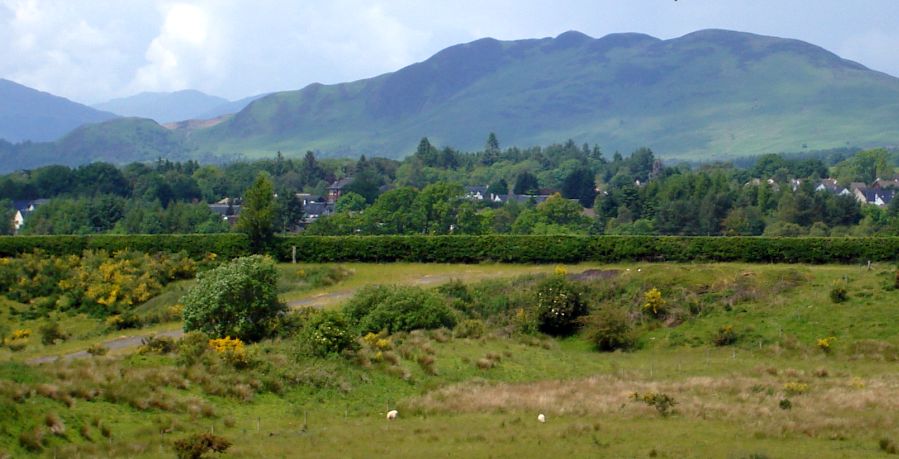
x=541, y=417
x=392, y=414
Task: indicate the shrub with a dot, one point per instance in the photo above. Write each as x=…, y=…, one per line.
x=196, y=445
x=653, y=303
x=826, y=344
x=470, y=328
x=663, y=403
x=559, y=306
x=327, y=332
x=50, y=332
x=398, y=308
x=237, y=299
x=725, y=336
x=97, y=350
x=610, y=329
x=231, y=351
x=158, y=345
x=839, y=293
x=888, y=446
x=785, y=404
x=192, y=347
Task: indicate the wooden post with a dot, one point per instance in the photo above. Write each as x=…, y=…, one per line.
x=293, y=254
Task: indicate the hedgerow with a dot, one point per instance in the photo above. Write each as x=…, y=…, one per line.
x=570, y=249
x=474, y=249
x=227, y=246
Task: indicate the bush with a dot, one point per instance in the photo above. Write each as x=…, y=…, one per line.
x=470, y=328
x=610, y=329
x=196, y=445
x=158, y=345
x=839, y=293
x=653, y=303
x=326, y=332
x=50, y=332
x=192, y=347
x=663, y=403
x=725, y=336
x=97, y=350
x=559, y=306
x=398, y=308
x=237, y=299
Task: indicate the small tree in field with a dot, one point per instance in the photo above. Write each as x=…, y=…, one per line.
x=238, y=299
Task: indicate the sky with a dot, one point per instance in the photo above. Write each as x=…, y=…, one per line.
x=93, y=50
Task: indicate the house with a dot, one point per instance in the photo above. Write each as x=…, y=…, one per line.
x=832, y=186
x=314, y=210
x=882, y=184
x=877, y=197
x=307, y=198
x=477, y=193
x=23, y=210
x=228, y=209
x=337, y=188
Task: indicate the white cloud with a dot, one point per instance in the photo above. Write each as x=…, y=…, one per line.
x=183, y=54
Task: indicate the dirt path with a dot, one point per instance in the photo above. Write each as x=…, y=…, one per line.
x=124, y=342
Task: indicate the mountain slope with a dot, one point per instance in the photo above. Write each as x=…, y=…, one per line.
x=711, y=93
x=28, y=114
x=165, y=107
x=228, y=108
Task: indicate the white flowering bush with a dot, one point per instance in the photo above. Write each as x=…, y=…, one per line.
x=560, y=304
x=327, y=332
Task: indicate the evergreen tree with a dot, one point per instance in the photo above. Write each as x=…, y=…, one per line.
x=526, y=183
x=257, y=215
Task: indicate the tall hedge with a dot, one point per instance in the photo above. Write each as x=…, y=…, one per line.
x=498, y=248
x=570, y=249
x=230, y=245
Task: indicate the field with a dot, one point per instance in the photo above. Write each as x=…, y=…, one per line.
x=796, y=375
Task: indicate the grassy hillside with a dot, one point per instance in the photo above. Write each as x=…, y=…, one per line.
x=770, y=392
x=712, y=92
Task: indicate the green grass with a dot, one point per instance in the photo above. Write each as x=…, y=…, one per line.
x=727, y=396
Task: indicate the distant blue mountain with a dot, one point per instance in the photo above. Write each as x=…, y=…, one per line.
x=29, y=114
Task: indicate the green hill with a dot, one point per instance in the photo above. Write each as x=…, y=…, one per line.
x=708, y=95
x=711, y=93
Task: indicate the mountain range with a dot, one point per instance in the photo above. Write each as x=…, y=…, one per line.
x=29, y=114
x=171, y=107
x=711, y=94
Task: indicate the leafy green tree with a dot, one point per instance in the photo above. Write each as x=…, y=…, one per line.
x=350, y=202
x=257, y=215
x=238, y=299
x=436, y=206
x=290, y=211
x=394, y=212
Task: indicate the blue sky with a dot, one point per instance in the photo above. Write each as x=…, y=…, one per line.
x=94, y=50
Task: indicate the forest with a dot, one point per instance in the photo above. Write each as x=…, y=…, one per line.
x=557, y=189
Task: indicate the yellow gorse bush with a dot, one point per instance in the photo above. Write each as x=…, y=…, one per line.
x=232, y=350
x=825, y=344
x=653, y=302
x=795, y=388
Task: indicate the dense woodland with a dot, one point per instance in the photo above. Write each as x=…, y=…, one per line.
x=425, y=194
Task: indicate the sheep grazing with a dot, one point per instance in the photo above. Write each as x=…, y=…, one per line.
x=392, y=414
x=541, y=417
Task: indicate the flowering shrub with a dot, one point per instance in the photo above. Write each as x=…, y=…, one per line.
x=17, y=340
x=795, y=388
x=826, y=344
x=328, y=332
x=653, y=303
x=725, y=336
x=231, y=350
x=96, y=282
x=559, y=306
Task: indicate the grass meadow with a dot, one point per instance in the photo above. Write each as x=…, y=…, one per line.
x=739, y=353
